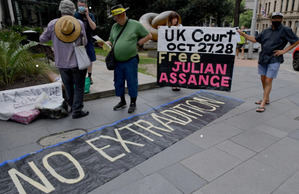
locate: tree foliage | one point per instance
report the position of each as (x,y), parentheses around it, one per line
(193,12)
(245,19)
(15,60)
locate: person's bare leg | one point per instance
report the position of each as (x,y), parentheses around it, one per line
(237,53)
(263,80)
(242,50)
(267,90)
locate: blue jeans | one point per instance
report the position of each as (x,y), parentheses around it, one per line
(126,71)
(74,83)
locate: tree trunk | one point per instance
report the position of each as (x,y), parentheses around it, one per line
(237,13)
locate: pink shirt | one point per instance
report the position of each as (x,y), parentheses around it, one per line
(64,52)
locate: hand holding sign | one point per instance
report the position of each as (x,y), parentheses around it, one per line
(194,57)
(102,43)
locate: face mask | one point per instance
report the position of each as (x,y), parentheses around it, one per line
(81,9)
(276,24)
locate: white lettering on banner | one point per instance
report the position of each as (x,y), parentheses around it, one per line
(198,40)
(121,141)
(204,101)
(181,114)
(100,150)
(166,121)
(24,99)
(183,107)
(118,139)
(140,123)
(169,113)
(59,177)
(46,188)
(128,127)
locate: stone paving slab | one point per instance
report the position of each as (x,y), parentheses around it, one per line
(294,134)
(153,184)
(251,177)
(282,155)
(291,186)
(255,140)
(184,179)
(236,150)
(211,163)
(127,178)
(212,135)
(235,167)
(171,155)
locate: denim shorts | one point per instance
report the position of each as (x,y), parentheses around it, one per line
(269,70)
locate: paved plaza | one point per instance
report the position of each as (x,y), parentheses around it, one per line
(242,152)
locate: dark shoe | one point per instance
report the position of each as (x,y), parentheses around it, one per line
(120,105)
(80,114)
(132,108)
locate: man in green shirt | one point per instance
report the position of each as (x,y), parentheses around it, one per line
(125,52)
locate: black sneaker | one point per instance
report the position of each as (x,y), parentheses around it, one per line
(132,108)
(120,105)
(80,114)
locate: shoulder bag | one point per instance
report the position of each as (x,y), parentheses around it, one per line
(110,59)
(82,57)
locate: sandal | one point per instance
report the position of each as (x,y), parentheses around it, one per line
(260,109)
(260,102)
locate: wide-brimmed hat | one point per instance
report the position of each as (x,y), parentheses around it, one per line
(67,29)
(276,14)
(116,10)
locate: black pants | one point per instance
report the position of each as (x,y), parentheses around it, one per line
(74,83)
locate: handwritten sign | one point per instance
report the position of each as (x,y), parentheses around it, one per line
(194,57)
(17,100)
(89,161)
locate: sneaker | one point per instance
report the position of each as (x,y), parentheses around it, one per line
(120,105)
(132,108)
(80,114)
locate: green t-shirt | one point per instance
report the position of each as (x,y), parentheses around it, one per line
(126,45)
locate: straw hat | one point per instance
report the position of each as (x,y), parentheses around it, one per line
(67,29)
(116,10)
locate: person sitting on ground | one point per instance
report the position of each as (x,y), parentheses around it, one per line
(65,31)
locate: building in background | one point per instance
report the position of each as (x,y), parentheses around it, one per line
(289,8)
(28,12)
(249,4)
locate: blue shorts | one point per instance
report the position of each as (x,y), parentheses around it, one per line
(269,70)
(90,51)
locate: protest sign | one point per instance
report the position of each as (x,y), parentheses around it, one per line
(196,57)
(28,98)
(84,163)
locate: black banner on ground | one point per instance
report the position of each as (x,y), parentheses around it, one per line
(89,161)
(204,71)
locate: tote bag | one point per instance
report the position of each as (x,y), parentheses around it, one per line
(82,57)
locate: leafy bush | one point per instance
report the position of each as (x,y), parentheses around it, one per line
(16,62)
